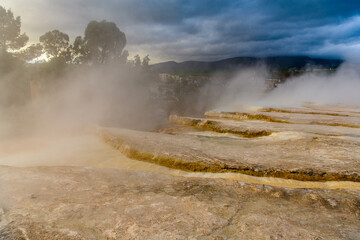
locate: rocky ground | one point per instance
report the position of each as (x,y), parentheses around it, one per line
(93,203)
(189,182)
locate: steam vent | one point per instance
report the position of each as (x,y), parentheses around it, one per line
(249,173)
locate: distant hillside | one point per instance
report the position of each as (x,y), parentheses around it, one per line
(239,62)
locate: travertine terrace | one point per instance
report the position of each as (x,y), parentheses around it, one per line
(312,145)
(252,173)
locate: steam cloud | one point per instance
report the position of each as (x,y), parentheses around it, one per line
(249,87)
(86,96)
(341,87)
(121,97)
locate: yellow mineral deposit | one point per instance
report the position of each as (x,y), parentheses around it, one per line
(88,150)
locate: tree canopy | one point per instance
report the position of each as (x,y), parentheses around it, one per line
(137,60)
(55,43)
(79,52)
(104,41)
(10,31)
(145,61)
(31,52)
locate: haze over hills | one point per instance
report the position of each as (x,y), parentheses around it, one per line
(278,62)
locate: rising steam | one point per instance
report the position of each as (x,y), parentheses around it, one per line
(341,87)
(123,97)
(250,87)
(109,95)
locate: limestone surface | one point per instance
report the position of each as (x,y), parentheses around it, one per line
(287,174)
(97,203)
(288,154)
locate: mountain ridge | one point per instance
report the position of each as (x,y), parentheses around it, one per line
(277,62)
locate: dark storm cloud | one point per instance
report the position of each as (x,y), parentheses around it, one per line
(208,29)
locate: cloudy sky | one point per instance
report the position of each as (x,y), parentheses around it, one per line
(207,29)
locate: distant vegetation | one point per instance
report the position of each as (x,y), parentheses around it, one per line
(54,55)
(102,42)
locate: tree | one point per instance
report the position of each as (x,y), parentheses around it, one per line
(124,56)
(78,51)
(10,31)
(145,62)
(55,43)
(104,41)
(137,61)
(31,52)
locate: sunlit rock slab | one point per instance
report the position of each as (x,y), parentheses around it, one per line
(225,123)
(304,108)
(291,152)
(94,203)
(341,120)
(340,108)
